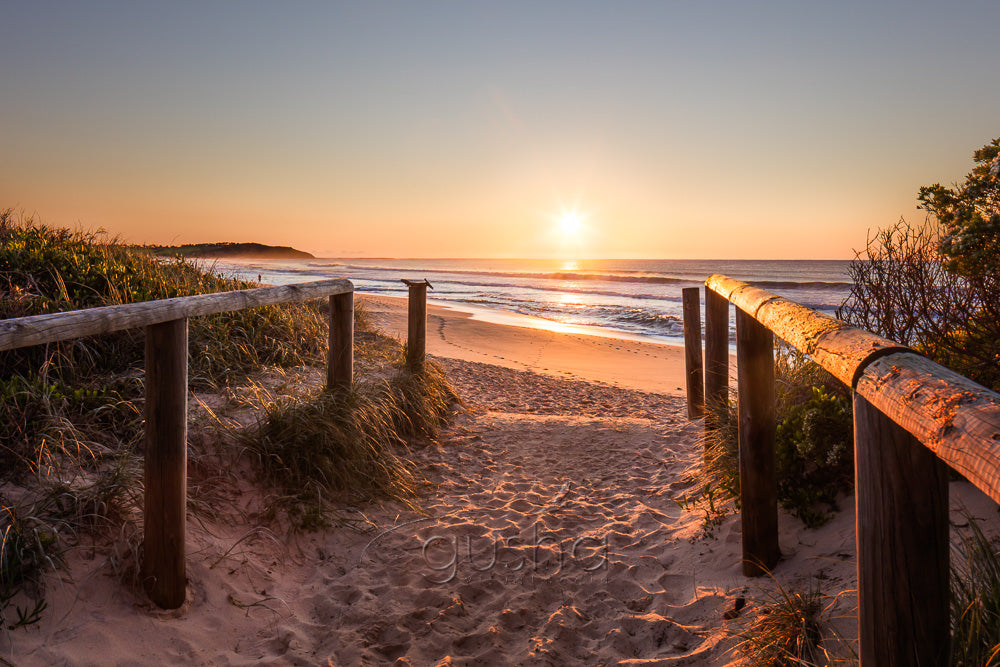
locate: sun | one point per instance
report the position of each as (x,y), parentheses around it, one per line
(570,223)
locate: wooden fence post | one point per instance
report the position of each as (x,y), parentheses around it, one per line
(902,532)
(340,366)
(716,352)
(758,485)
(692,352)
(416,332)
(165,506)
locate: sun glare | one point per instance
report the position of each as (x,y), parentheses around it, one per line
(570,223)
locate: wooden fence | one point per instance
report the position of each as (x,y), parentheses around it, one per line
(165,321)
(912,417)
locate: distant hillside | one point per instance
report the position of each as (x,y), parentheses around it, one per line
(248,250)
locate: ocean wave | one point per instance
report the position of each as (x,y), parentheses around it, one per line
(633,299)
(618,276)
(648,318)
(440,287)
(622,318)
(622,276)
(557,280)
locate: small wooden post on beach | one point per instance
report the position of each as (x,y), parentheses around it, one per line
(165,509)
(901,496)
(758,482)
(692,352)
(416,331)
(340,366)
(716,353)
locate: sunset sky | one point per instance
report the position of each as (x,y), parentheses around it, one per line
(663,129)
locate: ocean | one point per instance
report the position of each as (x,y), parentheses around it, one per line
(620,298)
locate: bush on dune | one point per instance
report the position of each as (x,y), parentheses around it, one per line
(936,286)
(71,416)
(814,441)
(44,270)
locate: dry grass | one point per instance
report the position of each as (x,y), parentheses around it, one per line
(794,628)
(975,599)
(71,414)
(319,449)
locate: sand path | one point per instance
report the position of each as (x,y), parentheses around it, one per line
(550,537)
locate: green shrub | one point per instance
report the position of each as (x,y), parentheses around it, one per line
(814,449)
(814,441)
(44,270)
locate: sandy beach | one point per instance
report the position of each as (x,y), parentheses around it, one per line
(454,334)
(550,533)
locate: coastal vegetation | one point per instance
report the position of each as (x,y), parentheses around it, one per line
(975,598)
(71,419)
(814,443)
(228,250)
(933,286)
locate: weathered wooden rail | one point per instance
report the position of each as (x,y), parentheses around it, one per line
(911,418)
(165,321)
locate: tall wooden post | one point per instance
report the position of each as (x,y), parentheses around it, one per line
(758,484)
(901,497)
(692,352)
(716,352)
(416,332)
(340,366)
(165,508)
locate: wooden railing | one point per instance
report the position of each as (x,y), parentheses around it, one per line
(911,417)
(165,321)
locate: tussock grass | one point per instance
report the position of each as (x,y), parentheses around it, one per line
(786,631)
(28,547)
(720,468)
(318,448)
(794,627)
(71,414)
(975,599)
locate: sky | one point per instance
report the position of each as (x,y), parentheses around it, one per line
(757,130)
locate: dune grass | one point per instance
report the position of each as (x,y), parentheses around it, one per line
(794,627)
(975,599)
(71,417)
(314,447)
(45,270)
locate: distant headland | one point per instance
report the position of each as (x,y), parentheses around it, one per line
(217,250)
